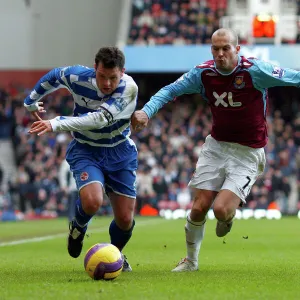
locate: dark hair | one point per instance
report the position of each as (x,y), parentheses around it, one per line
(110,57)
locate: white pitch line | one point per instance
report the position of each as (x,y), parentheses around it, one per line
(32,240)
(61,235)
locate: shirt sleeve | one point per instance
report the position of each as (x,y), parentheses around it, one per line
(120,105)
(188,83)
(50,82)
(266,75)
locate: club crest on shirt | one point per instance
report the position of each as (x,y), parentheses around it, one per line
(239,82)
(278,72)
(120,104)
(84,176)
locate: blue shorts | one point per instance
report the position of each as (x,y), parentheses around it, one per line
(115,167)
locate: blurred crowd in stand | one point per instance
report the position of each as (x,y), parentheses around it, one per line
(168,151)
(182,22)
(168,148)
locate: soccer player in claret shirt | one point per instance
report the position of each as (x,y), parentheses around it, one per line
(102,156)
(232,156)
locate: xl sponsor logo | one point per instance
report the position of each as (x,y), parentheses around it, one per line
(221,100)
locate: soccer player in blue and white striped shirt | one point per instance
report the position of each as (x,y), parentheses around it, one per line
(101,156)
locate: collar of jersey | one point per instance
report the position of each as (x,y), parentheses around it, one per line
(226,74)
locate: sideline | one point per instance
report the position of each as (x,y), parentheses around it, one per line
(61,235)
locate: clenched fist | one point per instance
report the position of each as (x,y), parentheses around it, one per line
(139,120)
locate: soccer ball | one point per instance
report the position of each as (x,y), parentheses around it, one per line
(103,261)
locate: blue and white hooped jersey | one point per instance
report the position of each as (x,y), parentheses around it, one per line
(99,120)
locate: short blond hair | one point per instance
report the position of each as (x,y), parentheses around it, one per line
(226,31)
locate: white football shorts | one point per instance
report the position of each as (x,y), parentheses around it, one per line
(228,166)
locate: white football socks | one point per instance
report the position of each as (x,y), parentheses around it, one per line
(194,232)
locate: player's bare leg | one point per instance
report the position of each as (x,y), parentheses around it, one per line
(194,229)
(121,227)
(224,208)
(91,198)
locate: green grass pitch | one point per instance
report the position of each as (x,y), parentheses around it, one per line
(259,259)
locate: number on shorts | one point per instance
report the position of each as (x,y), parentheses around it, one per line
(249,179)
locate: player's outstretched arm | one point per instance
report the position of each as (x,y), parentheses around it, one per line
(84,122)
(89,121)
(267,75)
(105,115)
(188,83)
